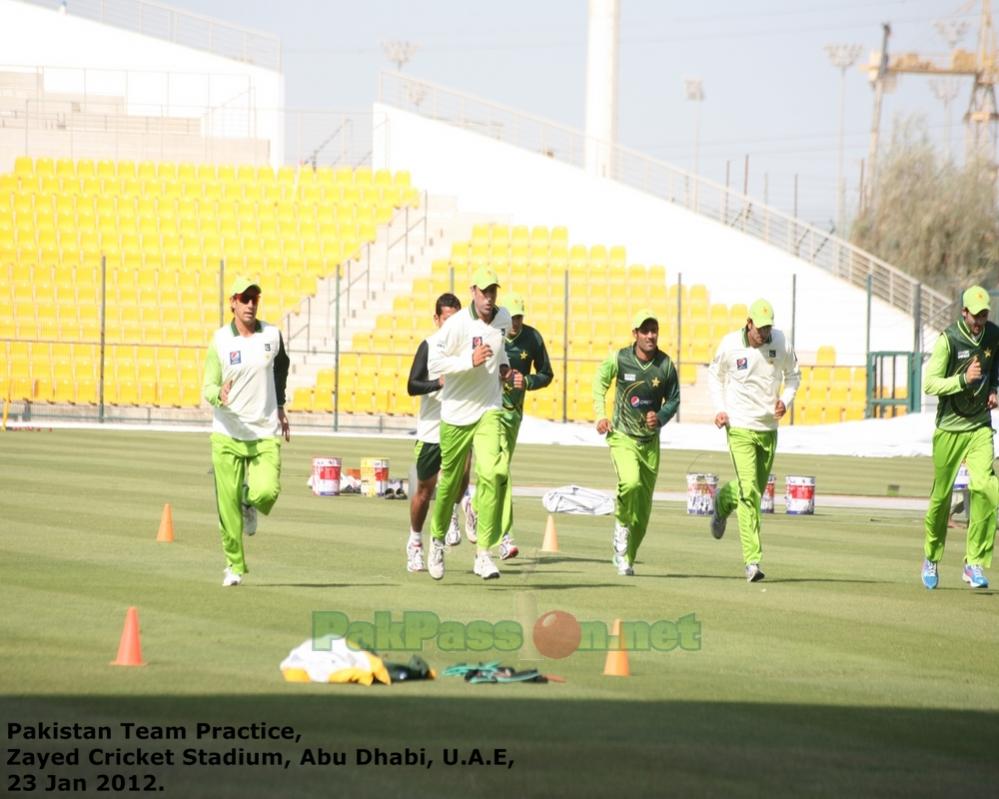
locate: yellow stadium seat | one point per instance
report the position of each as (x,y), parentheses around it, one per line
(826,356)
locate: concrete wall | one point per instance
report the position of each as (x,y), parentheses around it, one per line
(79,57)
(490,177)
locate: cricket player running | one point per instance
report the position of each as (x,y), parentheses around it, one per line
(963,372)
(428,437)
(647,396)
(745,380)
(525,349)
(246,371)
(469,354)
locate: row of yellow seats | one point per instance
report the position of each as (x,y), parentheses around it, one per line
(821,413)
(25,166)
(25,280)
(306,266)
(519,234)
(17,224)
(551,270)
(616,255)
(152,205)
(37,195)
(383,400)
(116,392)
(146,248)
(129,291)
(173,231)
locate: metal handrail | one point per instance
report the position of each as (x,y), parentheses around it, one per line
(703,196)
(186,28)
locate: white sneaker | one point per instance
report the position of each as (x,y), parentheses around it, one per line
(436,563)
(230,578)
(453,536)
(753,573)
(621,536)
(485,568)
(508,548)
(249,519)
(624,569)
(620,543)
(414,558)
(471,519)
(718,522)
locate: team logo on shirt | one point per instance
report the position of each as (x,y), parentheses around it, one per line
(741,363)
(773,353)
(476,341)
(635,401)
(629,377)
(962,354)
(235,357)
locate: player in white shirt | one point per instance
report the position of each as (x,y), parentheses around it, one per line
(246,372)
(469,352)
(753,379)
(427,387)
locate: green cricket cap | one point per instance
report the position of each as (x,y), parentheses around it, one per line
(484,277)
(514,303)
(762,313)
(241,284)
(976,300)
(639,318)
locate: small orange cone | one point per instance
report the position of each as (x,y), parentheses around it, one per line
(130,648)
(165,535)
(616,664)
(550,544)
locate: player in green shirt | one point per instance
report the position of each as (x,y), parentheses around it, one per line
(525,348)
(647,396)
(963,372)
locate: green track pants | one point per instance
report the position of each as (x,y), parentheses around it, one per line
(949,449)
(492,473)
(752,454)
(637,467)
(258,465)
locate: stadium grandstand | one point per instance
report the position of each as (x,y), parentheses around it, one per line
(128,193)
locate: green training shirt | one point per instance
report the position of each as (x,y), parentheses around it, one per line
(525,351)
(963,406)
(641,387)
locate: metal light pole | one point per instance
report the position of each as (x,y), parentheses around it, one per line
(694,88)
(946,89)
(842,56)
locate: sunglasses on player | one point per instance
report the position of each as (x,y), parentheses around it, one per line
(248,296)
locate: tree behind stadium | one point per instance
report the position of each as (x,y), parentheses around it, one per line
(930,217)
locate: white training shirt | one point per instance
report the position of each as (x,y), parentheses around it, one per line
(428,423)
(745,382)
(248,361)
(469,391)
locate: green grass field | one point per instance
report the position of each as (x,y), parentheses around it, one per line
(837,675)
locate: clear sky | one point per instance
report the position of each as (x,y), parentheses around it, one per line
(770,90)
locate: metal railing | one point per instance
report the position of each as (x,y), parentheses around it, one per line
(180,27)
(676,186)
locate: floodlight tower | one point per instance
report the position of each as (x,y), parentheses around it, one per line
(843,56)
(399,52)
(946,89)
(694,87)
(603,20)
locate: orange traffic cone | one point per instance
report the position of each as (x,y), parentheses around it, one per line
(550,544)
(165,535)
(616,664)
(130,648)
